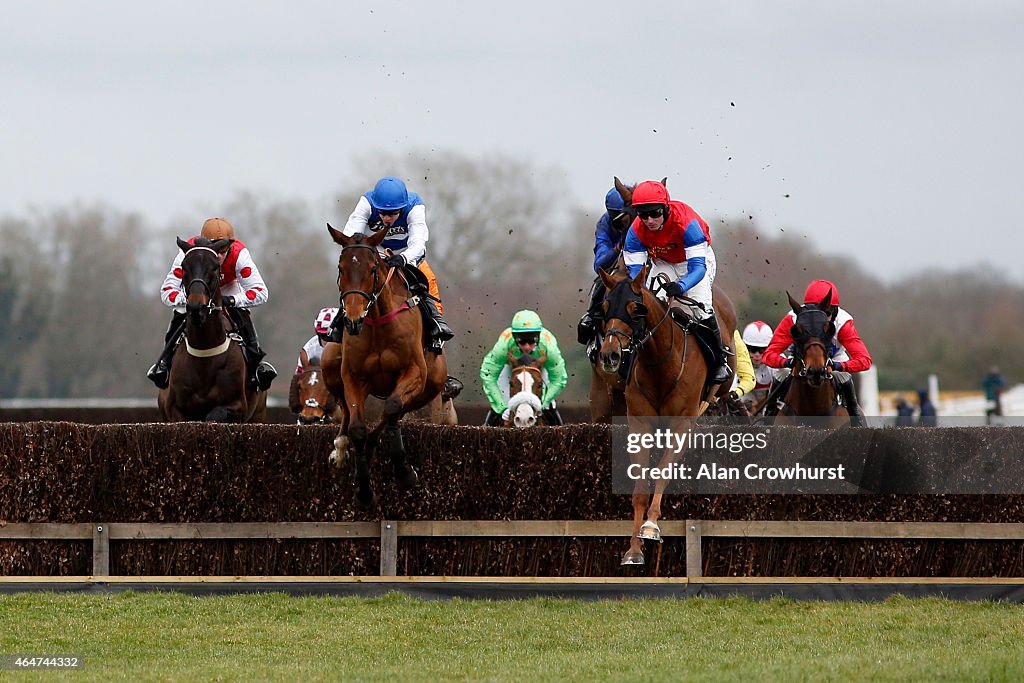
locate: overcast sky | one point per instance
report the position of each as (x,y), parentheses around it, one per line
(890,132)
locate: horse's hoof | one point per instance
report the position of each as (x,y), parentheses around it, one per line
(632,558)
(406,479)
(649,531)
(340,452)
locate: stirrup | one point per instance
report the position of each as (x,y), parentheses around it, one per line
(159,376)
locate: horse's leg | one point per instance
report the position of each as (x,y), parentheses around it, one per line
(408,395)
(600,398)
(355,395)
(641,495)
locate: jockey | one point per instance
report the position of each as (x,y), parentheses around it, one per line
(743,382)
(847,354)
(678,242)
(313,349)
(390,206)
(241,288)
(526,336)
(757,336)
(608,235)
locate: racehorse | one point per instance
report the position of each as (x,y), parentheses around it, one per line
(208,379)
(381,354)
(811,392)
(310,399)
(665,374)
(526,389)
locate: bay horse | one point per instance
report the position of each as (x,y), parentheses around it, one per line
(812,392)
(208,379)
(311,400)
(381,354)
(665,375)
(526,389)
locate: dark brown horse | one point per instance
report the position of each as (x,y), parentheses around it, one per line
(526,389)
(812,393)
(665,375)
(381,355)
(208,375)
(310,399)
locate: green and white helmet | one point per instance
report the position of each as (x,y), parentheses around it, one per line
(526,321)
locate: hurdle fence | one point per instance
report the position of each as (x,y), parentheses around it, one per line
(388,533)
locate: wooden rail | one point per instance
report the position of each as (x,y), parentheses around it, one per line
(389,531)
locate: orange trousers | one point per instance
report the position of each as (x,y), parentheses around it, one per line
(432,282)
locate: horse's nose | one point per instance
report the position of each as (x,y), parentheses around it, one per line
(611,359)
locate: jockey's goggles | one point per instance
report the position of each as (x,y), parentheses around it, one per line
(651,213)
(392,212)
(528,338)
(756,349)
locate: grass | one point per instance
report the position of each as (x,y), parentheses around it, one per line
(166,636)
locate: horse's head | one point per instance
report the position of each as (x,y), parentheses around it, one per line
(361,275)
(812,334)
(526,389)
(625,316)
(314,401)
(200,274)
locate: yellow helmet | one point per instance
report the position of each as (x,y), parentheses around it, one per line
(217,229)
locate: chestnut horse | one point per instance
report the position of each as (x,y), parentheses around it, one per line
(208,374)
(382,355)
(526,389)
(665,375)
(811,392)
(310,400)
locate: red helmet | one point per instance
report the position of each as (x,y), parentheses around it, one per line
(817,290)
(650,192)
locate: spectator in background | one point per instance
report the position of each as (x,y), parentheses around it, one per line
(926,416)
(904,413)
(993,384)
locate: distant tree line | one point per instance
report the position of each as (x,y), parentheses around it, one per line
(80,314)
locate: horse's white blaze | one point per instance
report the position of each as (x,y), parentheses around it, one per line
(526,381)
(312,379)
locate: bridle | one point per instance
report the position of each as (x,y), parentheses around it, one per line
(210,306)
(371,297)
(804,340)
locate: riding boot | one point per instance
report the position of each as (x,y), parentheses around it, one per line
(337,329)
(492,419)
(551,416)
(587,328)
(708,329)
(849,394)
(159,373)
(261,372)
(452,388)
(437,329)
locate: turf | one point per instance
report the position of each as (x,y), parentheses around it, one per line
(165,636)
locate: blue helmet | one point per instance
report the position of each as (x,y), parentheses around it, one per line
(389,194)
(613,201)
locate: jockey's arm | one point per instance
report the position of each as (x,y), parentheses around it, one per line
(555,365)
(860,359)
(416,248)
(254,290)
(491,367)
(634,253)
(359,220)
(170,290)
(781,340)
(696,250)
(606,248)
(745,380)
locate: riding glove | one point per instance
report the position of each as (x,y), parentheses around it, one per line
(674,289)
(396,261)
(228,301)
